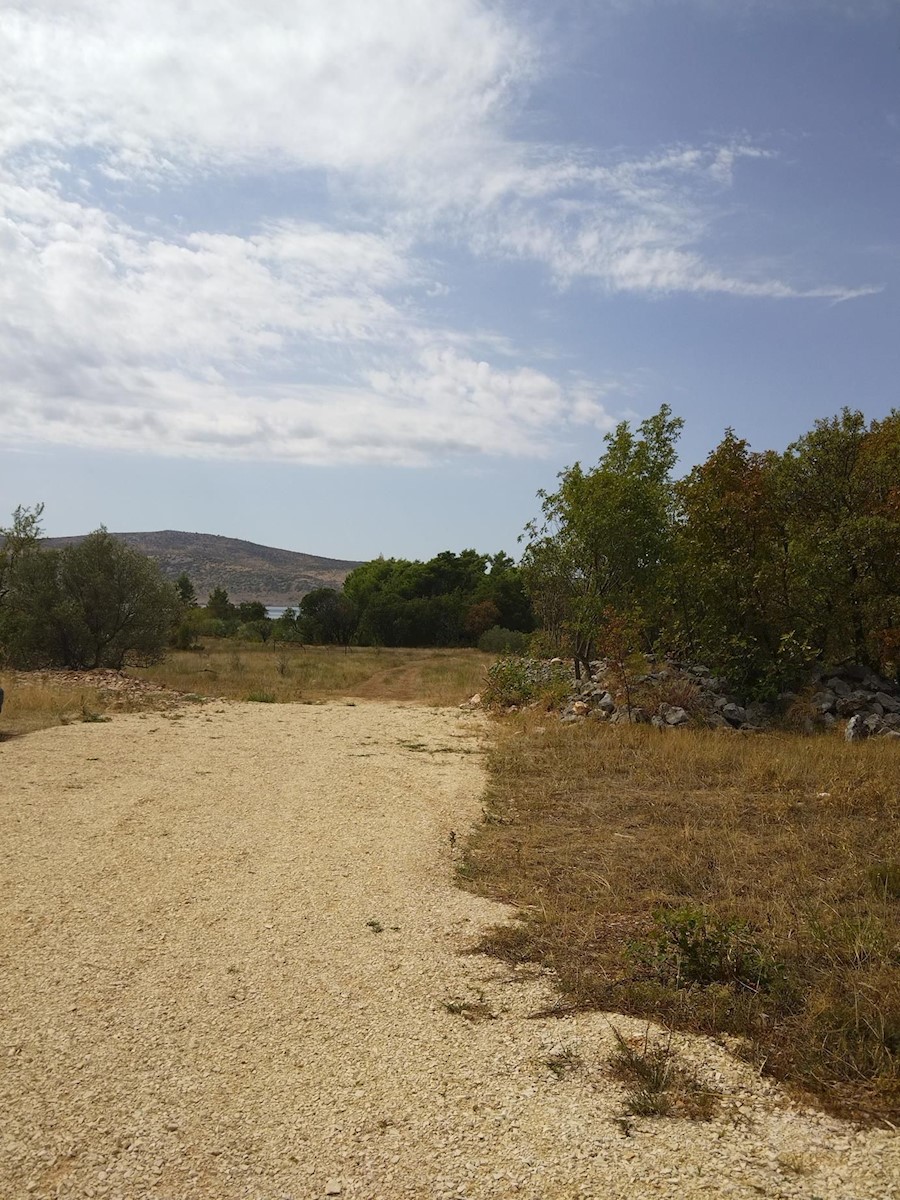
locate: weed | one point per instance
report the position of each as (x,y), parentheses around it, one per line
(885,879)
(89,717)
(562,1062)
(657,1084)
(517,681)
(689,945)
(471,1010)
(262,697)
(375,925)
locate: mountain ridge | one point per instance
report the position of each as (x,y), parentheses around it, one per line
(247,570)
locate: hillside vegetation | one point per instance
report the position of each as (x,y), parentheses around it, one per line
(246,570)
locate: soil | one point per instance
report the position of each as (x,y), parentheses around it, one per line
(230,967)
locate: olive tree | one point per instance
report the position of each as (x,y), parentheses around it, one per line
(89,605)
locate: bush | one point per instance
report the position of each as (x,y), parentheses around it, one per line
(89,605)
(692,946)
(517,680)
(498,640)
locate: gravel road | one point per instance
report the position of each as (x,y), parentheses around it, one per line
(230,968)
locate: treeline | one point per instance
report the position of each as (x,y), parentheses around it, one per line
(462,599)
(757,564)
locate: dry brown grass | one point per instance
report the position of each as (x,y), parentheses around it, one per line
(246,671)
(713,881)
(250,670)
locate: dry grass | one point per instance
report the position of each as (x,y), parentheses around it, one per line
(38,700)
(656,1083)
(718,883)
(245,670)
(37,706)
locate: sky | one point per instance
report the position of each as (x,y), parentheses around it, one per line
(356,279)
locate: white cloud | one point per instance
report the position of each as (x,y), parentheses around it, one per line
(182,85)
(296,338)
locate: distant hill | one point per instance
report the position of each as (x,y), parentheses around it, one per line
(246,571)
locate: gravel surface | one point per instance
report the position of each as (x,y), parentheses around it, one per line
(230,967)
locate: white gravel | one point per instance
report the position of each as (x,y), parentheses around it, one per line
(197,1001)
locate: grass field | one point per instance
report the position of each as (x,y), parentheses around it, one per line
(247,671)
(714,882)
(252,671)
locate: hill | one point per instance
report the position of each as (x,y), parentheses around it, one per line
(246,570)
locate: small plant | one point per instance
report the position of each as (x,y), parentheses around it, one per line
(282,662)
(262,697)
(657,1085)
(516,681)
(89,717)
(690,946)
(375,925)
(563,1062)
(471,1010)
(885,880)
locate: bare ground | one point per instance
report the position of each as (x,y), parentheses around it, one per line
(229,967)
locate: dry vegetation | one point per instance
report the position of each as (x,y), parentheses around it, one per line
(715,882)
(253,671)
(242,671)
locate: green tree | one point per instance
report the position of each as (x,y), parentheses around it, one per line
(90,605)
(219,607)
(606,535)
(20,538)
(185,590)
(328,616)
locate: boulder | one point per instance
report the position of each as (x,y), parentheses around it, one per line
(889,704)
(606,703)
(839,686)
(855,730)
(734,714)
(825,701)
(676,716)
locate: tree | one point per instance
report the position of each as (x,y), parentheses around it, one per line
(89,605)
(606,536)
(328,616)
(185,590)
(22,537)
(219,606)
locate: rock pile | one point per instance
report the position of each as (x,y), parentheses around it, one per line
(869,703)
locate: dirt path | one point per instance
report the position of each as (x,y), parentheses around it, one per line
(229,967)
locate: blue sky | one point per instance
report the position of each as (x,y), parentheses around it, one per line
(357,278)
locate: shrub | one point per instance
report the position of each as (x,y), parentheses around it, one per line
(517,680)
(689,945)
(498,640)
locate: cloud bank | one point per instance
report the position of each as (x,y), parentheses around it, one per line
(289,337)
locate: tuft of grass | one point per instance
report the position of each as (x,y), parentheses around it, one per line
(563,1062)
(723,885)
(471,1010)
(262,697)
(656,1083)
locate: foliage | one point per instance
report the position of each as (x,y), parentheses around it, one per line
(503,641)
(605,536)
(518,681)
(19,539)
(219,607)
(690,945)
(759,564)
(186,592)
(451,600)
(89,605)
